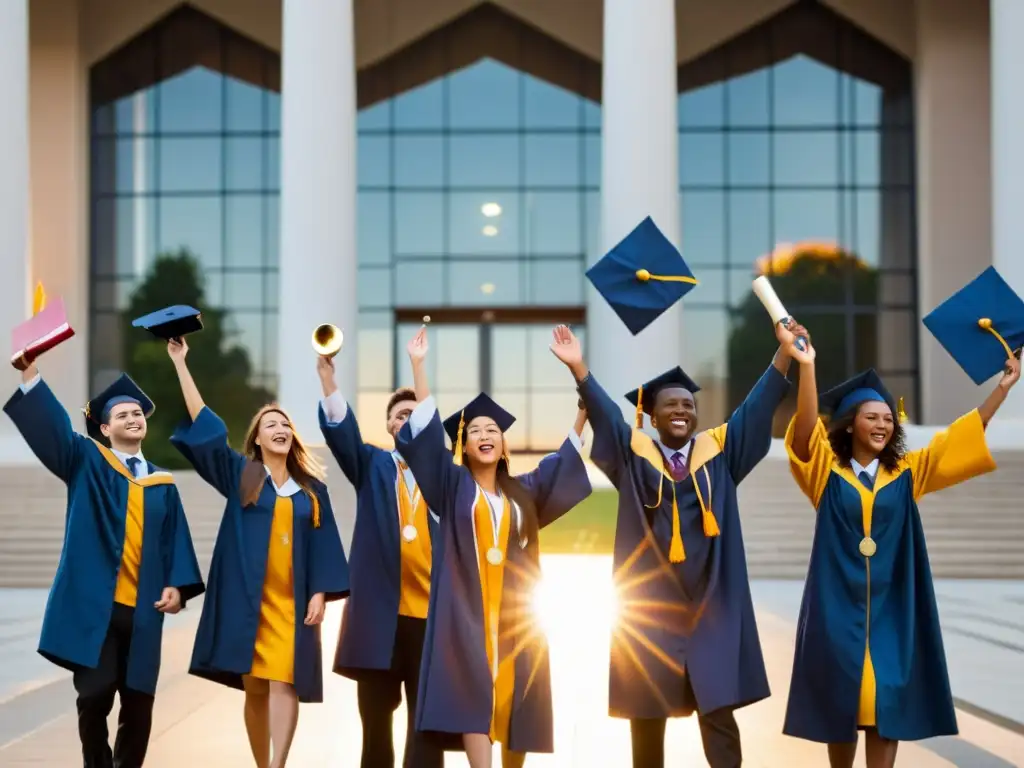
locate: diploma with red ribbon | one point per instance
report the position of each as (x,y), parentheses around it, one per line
(47,328)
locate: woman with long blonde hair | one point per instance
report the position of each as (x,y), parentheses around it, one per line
(278,559)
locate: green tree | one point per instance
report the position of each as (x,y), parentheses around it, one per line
(220,366)
(810,279)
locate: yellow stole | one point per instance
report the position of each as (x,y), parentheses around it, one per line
(414,596)
(126,591)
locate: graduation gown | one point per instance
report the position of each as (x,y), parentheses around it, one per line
(81,598)
(456,690)
(695,617)
(226,637)
(367,638)
(868,636)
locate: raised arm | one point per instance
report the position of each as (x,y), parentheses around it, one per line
(960,452)
(340,429)
(747,436)
(612,435)
(204,441)
(421,439)
(806,409)
(45,425)
(560,481)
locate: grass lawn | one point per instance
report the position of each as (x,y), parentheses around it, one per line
(588,529)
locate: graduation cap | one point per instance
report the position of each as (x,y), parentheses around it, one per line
(171,322)
(864,387)
(980,325)
(642,276)
(644,396)
(124,390)
(481,405)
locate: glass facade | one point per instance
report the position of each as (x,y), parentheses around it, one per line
(479,205)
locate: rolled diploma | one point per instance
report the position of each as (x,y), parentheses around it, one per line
(770,300)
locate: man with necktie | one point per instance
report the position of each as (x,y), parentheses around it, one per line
(385,619)
(686,638)
(127,560)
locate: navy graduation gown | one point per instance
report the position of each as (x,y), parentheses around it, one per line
(456,690)
(226,636)
(884,603)
(367,636)
(82,595)
(695,617)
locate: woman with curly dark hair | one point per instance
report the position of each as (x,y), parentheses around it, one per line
(869,652)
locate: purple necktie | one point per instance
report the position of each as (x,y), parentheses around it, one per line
(678,468)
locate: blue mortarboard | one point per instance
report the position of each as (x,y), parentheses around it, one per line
(642,276)
(643,397)
(865,387)
(171,322)
(981,325)
(482,405)
(124,390)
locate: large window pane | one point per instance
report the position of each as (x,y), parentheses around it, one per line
(487,283)
(806,93)
(419,161)
(485,95)
(750,228)
(192,223)
(374,229)
(190,165)
(243,233)
(557,282)
(553,223)
(553,161)
(245,103)
(704,227)
(243,291)
(701,159)
(484,160)
(484,223)
(421,107)
(374,161)
(419,223)
(749,159)
(191,102)
(548,106)
(419,283)
(374,288)
(747,100)
(703,107)
(244,161)
(806,216)
(804,158)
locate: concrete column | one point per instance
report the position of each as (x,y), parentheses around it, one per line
(953,180)
(1007,57)
(639,178)
(318,201)
(14,198)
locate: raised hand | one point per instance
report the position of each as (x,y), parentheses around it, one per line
(566,347)
(1011,374)
(177,349)
(787,336)
(418,346)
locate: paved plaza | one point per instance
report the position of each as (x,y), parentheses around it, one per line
(199,724)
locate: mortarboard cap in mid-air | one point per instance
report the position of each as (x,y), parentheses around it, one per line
(482,405)
(981,326)
(642,276)
(123,390)
(171,322)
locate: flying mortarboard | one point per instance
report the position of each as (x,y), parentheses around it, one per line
(642,276)
(643,397)
(482,405)
(865,387)
(123,390)
(171,322)
(981,325)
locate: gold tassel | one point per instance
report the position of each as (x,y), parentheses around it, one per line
(986,324)
(643,276)
(38,299)
(676,553)
(640,408)
(458,441)
(316,510)
(707,511)
(901,412)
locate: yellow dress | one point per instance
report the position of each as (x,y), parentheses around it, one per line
(274,654)
(491,582)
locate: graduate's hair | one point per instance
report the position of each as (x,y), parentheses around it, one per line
(842,442)
(303,466)
(400,396)
(515,491)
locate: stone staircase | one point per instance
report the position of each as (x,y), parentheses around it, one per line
(975,530)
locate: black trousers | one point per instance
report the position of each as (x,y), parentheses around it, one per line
(718,732)
(96,688)
(379,693)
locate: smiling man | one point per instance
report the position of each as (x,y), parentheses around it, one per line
(686,639)
(127,560)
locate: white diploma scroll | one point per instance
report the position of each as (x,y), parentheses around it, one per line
(771,302)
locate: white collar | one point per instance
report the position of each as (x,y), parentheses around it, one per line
(125,456)
(871,468)
(290,487)
(670,452)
